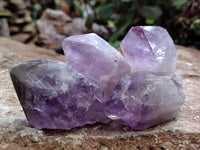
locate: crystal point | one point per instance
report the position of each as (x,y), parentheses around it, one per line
(144,99)
(92,56)
(149,48)
(54,96)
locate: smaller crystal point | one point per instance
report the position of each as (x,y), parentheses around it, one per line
(92,56)
(149,48)
(144,99)
(54,96)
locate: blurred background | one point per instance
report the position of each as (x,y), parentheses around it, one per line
(46,22)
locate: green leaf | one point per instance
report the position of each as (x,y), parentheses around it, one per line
(115,44)
(150,12)
(88,15)
(195,26)
(110,23)
(37,8)
(119,31)
(5,13)
(149,21)
(179,3)
(105,12)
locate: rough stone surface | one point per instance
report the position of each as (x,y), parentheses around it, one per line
(54,96)
(21,25)
(149,48)
(181,133)
(144,99)
(21,37)
(55,25)
(92,56)
(4,28)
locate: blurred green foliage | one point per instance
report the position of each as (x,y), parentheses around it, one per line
(5,13)
(36,10)
(122,14)
(177,16)
(195,26)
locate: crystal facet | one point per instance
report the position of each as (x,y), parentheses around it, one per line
(54,96)
(92,56)
(149,48)
(144,99)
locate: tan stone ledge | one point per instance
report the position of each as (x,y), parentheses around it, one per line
(181,133)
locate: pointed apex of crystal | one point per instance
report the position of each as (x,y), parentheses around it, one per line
(149,48)
(95,58)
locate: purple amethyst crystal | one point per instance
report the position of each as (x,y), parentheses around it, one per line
(149,48)
(54,96)
(92,56)
(144,99)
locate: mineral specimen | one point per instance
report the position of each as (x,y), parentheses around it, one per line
(92,56)
(54,96)
(149,48)
(144,99)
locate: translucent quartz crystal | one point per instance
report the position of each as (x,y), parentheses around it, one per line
(144,99)
(149,48)
(54,96)
(92,56)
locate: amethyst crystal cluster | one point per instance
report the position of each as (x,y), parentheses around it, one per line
(55,96)
(151,93)
(98,83)
(144,99)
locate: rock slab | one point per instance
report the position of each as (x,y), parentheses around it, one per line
(181,133)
